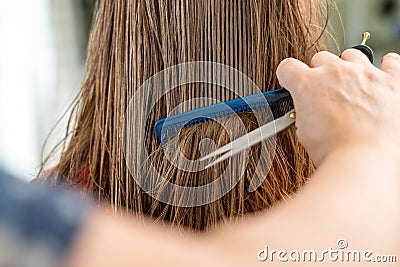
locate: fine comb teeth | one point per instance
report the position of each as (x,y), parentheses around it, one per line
(279,102)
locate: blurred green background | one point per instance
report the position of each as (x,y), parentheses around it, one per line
(42,54)
(380,17)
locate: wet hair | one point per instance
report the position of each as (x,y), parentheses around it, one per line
(130,41)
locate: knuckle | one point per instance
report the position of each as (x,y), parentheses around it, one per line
(324,53)
(337,68)
(348,52)
(391,56)
(285,63)
(352,52)
(288,61)
(319,55)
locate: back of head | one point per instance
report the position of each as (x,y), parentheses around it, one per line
(135,39)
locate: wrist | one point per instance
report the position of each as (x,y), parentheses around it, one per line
(364,162)
(383,147)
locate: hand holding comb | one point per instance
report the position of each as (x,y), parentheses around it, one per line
(280,103)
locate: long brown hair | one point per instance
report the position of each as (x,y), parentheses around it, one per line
(131,40)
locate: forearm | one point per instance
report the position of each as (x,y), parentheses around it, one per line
(331,207)
(345,199)
(107,240)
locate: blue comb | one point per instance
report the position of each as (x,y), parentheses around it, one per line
(278,101)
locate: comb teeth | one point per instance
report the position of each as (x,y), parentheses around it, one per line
(279,102)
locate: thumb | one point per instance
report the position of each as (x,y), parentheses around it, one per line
(290,71)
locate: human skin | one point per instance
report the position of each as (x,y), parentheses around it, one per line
(348,119)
